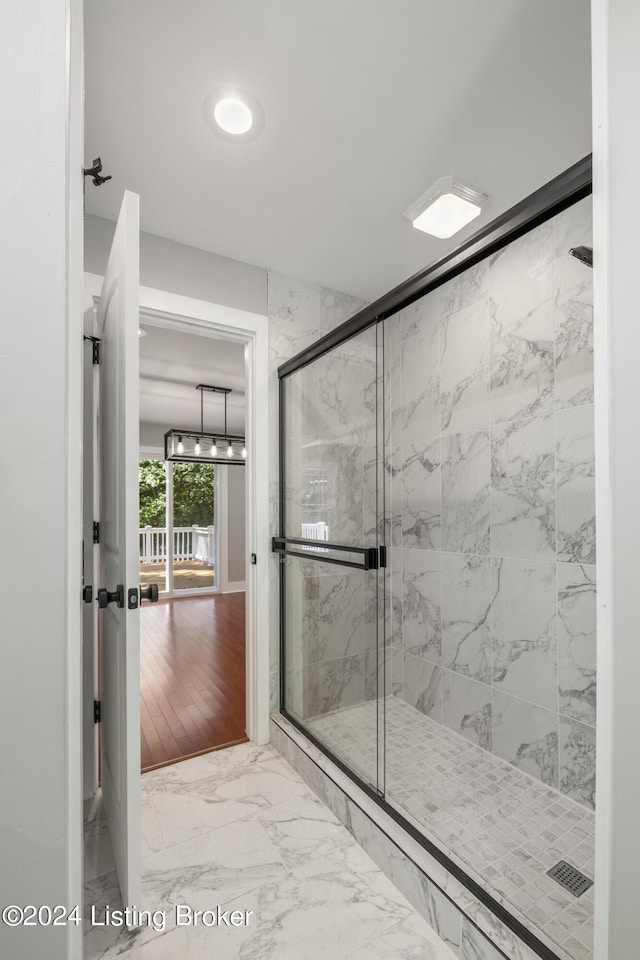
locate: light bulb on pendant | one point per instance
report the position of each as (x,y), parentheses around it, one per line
(196,449)
(214,449)
(180,447)
(229,450)
(244,453)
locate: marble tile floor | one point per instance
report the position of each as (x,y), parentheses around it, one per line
(504,827)
(239,828)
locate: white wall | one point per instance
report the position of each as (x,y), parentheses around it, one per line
(166,265)
(40,350)
(616,81)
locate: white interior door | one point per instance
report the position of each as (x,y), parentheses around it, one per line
(119,561)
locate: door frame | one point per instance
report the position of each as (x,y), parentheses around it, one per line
(177,312)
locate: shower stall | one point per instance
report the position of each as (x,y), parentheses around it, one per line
(437,561)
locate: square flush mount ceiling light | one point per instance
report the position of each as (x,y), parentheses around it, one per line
(446,207)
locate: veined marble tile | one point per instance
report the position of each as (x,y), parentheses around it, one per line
(577,641)
(301,312)
(373,481)
(466,608)
(524,630)
(107,942)
(464,369)
(522,358)
(394,587)
(302,829)
(527,736)
(575,468)
(392,335)
(274,685)
(441,914)
(341,613)
(466,475)
(410,938)
(375,672)
(520,257)
(421,614)
(393,488)
(328,907)
(191,811)
(466,708)
(476,947)
(464,290)
(295,694)
(167,946)
(574,342)
(523,489)
(395,678)
(421,496)
(578,761)
(223,864)
(225,765)
(420,379)
(340,683)
(422,686)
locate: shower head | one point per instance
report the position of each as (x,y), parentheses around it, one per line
(584,254)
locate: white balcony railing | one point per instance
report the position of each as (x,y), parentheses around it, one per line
(189,543)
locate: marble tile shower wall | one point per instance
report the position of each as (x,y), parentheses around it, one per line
(331,466)
(299,313)
(490,505)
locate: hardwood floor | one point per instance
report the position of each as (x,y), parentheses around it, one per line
(192,676)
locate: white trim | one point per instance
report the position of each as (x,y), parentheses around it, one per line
(74,479)
(200,316)
(604,504)
(235,586)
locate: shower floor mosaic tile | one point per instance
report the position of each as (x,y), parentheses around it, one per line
(506,828)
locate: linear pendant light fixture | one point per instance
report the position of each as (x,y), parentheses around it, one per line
(192,446)
(446,207)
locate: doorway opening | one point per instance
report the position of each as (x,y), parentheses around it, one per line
(192,548)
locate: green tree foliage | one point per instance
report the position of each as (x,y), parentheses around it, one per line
(192,494)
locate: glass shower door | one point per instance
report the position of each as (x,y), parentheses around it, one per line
(332,550)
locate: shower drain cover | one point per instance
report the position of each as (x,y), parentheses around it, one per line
(570,878)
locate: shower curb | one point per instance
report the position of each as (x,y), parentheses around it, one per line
(465,924)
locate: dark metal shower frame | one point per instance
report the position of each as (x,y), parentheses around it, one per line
(555,196)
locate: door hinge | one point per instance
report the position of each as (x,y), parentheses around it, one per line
(382,557)
(96,531)
(97,711)
(95,349)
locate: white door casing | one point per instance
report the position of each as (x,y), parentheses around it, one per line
(203,317)
(119,561)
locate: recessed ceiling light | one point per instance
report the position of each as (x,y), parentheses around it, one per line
(446,207)
(141,332)
(233,114)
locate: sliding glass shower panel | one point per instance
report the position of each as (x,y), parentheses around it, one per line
(333,600)
(490,580)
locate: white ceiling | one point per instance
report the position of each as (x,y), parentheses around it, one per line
(173,363)
(367,102)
